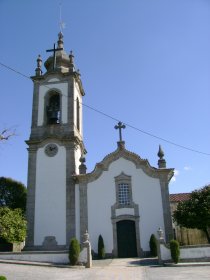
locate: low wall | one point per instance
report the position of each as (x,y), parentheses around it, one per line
(187,253)
(201,252)
(61,257)
(48,257)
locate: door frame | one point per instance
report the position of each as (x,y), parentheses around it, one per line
(135,219)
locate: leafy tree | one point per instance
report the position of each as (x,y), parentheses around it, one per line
(175,251)
(153,245)
(12,225)
(195,212)
(12,194)
(74,250)
(101,248)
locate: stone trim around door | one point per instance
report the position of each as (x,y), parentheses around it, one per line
(114,227)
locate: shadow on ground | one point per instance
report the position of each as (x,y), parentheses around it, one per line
(145,262)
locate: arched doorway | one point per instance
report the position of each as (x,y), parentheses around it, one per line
(126,239)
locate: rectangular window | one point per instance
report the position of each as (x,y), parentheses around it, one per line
(123,194)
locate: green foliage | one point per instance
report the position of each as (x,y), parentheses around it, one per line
(74,250)
(153,245)
(12,225)
(12,194)
(175,252)
(195,213)
(101,248)
(3,278)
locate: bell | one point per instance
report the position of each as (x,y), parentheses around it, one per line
(53,116)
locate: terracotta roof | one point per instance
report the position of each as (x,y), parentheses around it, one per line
(177,197)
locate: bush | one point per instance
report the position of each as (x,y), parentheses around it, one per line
(74,250)
(175,252)
(12,224)
(101,248)
(3,278)
(153,245)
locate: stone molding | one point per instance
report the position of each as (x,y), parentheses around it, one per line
(123,178)
(166,210)
(114,228)
(140,163)
(59,75)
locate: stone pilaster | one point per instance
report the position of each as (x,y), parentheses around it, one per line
(83,209)
(70,193)
(166,208)
(31,190)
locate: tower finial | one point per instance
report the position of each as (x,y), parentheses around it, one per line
(82,167)
(161,161)
(71,58)
(60,40)
(160,152)
(39,66)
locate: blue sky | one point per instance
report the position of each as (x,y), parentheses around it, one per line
(144,62)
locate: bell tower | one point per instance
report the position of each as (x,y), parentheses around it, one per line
(55,147)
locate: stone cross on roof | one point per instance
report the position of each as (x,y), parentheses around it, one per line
(54,50)
(120,126)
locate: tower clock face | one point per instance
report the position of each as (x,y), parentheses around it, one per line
(51,150)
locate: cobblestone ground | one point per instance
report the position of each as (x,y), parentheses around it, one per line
(118,269)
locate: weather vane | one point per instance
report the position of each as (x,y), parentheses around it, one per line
(61,23)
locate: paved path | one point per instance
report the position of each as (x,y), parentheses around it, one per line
(117,269)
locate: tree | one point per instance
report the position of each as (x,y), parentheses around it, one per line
(153,245)
(12,194)
(101,248)
(175,251)
(12,225)
(74,250)
(195,212)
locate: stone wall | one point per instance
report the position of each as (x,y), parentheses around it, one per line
(187,253)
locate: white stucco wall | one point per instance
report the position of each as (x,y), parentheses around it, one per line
(47,257)
(44,89)
(50,202)
(101,196)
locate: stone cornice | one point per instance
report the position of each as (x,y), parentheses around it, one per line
(56,74)
(67,142)
(164,174)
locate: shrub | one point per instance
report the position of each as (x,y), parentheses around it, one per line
(74,250)
(3,278)
(101,248)
(153,245)
(175,252)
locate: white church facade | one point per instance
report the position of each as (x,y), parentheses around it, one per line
(124,199)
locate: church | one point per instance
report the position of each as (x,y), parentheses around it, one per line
(124,198)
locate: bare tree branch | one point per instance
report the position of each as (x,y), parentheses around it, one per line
(6,134)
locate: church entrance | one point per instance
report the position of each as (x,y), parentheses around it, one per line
(126,239)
